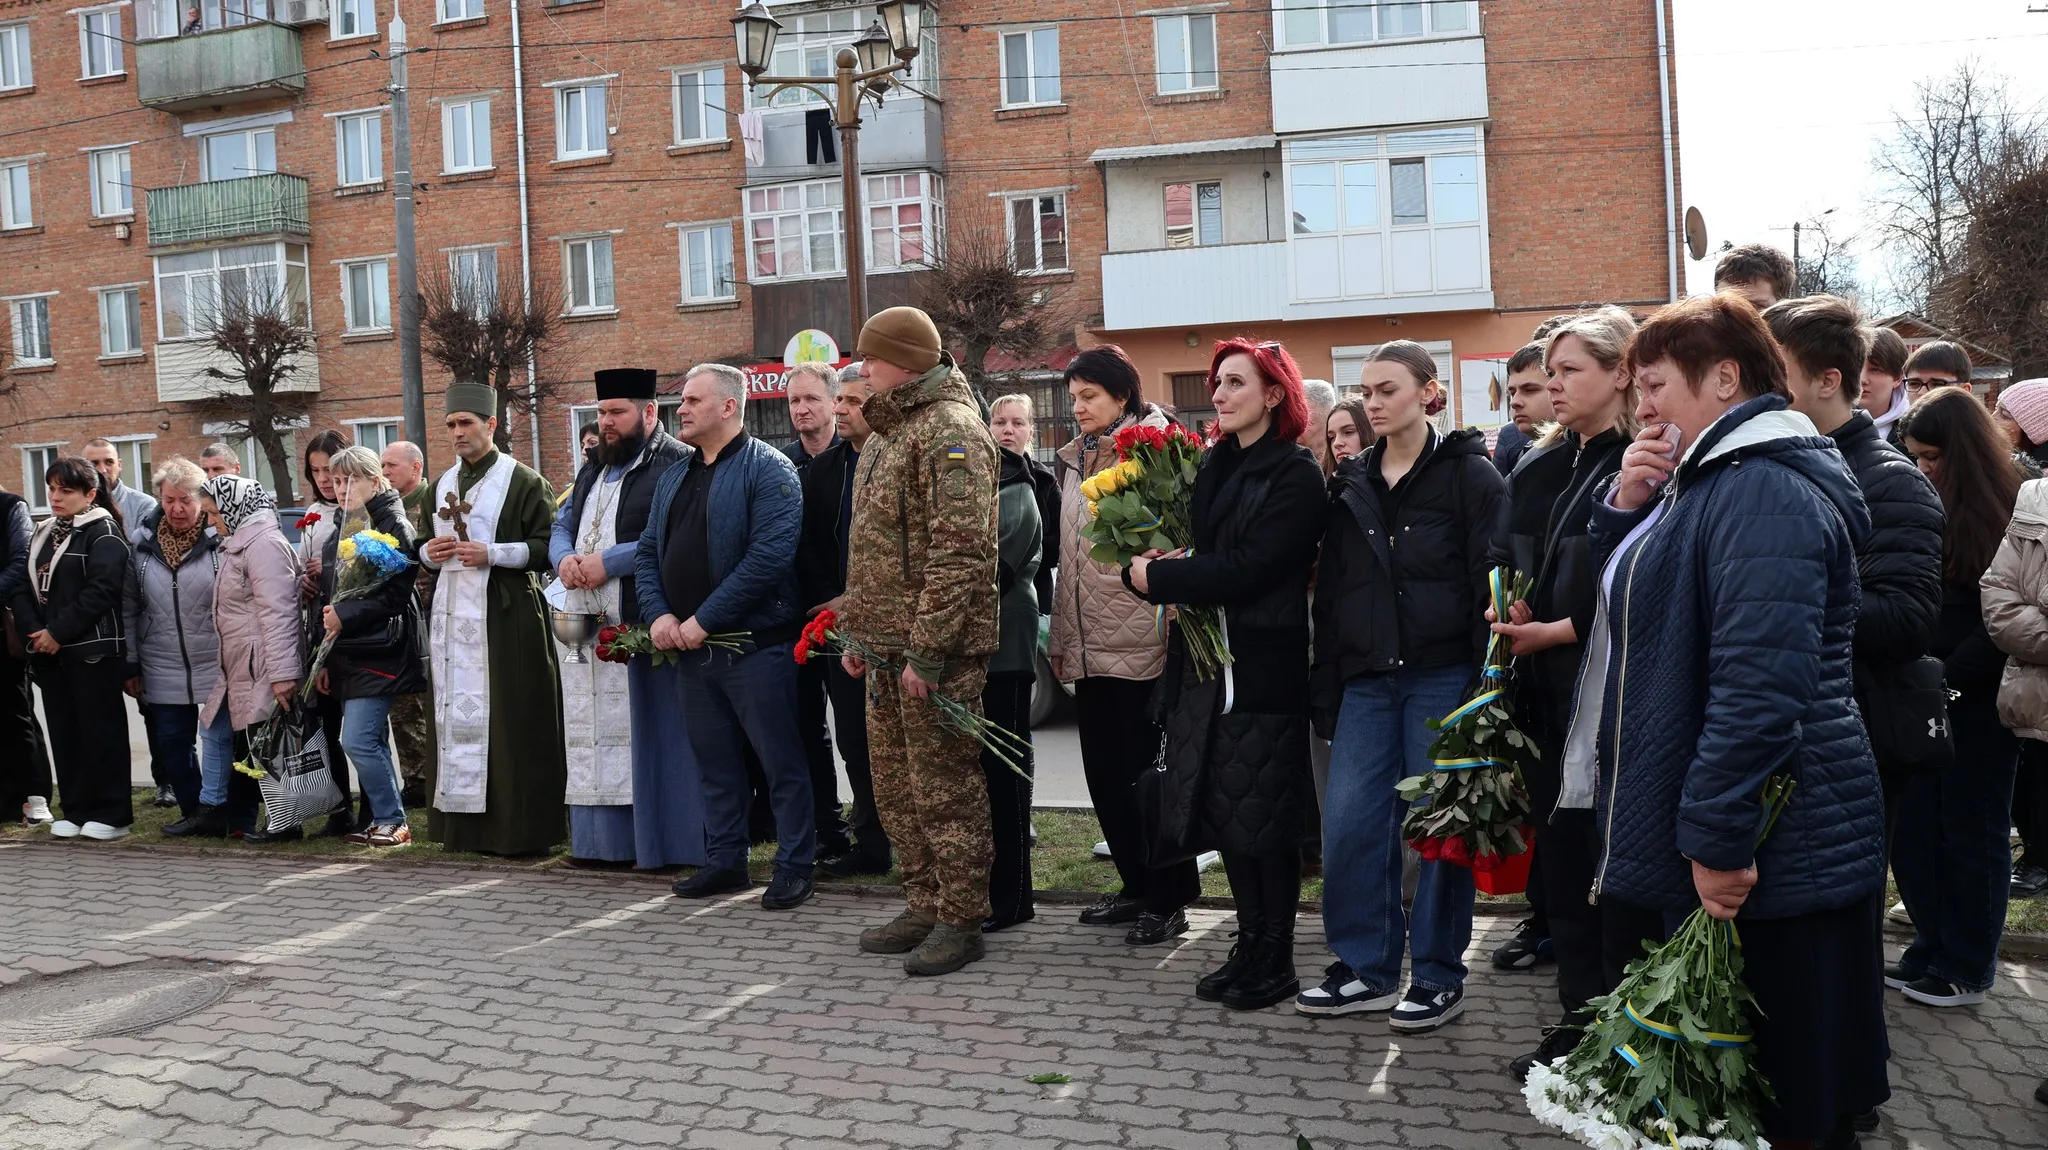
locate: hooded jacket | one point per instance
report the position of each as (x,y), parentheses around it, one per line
(256,611)
(82,605)
(1099,628)
(1731,605)
(172,643)
(2015,589)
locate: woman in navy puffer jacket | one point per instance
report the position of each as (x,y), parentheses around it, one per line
(1720,657)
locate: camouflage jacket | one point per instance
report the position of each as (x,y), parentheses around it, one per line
(921,554)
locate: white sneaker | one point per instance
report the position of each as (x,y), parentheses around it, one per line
(103,832)
(64,829)
(1101,850)
(1898,914)
(36,812)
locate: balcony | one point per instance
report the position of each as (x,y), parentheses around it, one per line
(905,133)
(182,366)
(1388,84)
(269,204)
(1190,287)
(213,69)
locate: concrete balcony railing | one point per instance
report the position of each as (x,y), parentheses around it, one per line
(1191,287)
(228,66)
(269,204)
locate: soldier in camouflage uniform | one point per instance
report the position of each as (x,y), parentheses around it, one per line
(921,591)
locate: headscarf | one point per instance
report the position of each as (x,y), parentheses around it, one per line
(239,499)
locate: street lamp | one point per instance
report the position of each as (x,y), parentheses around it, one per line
(866,67)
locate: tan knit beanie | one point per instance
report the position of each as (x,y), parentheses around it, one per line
(903,336)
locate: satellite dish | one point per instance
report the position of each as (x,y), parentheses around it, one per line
(1696,233)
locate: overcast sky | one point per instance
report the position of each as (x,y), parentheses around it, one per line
(1783,102)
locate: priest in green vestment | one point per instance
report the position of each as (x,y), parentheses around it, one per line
(497,693)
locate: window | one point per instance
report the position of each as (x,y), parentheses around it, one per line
(366,296)
(1031,67)
(473,274)
(1310,22)
(806,47)
(1194,214)
(14,59)
(17,209)
(707,264)
(99,42)
(158,19)
(460,10)
(231,13)
(793,230)
(1038,232)
(903,220)
(1186,48)
(36,463)
(376,434)
(466,135)
(1386,215)
(191,285)
(1347,366)
(233,155)
(699,97)
(580,122)
(113,193)
(359,149)
(589,266)
(30,319)
(120,321)
(135,452)
(352,18)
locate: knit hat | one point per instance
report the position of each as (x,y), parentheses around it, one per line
(2027,403)
(903,336)
(478,399)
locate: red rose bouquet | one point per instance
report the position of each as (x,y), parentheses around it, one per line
(620,642)
(1146,501)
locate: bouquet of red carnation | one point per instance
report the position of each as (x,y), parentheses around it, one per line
(619,643)
(1473,809)
(306,520)
(822,637)
(1147,501)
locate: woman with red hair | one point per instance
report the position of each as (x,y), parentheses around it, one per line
(1239,742)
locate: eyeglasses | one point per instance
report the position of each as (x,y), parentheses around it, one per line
(1925,383)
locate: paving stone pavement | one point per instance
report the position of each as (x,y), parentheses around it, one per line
(466,1007)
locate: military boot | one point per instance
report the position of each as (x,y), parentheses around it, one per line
(900,934)
(947,949)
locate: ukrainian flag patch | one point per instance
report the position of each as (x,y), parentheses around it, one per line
(956,455)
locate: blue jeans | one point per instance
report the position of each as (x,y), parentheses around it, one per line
(365,738)
(730,701)
(1380,740)
(172,729)
(1952,856)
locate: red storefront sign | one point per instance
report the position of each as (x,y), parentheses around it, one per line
(771,380)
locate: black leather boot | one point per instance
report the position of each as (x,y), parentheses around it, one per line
(206,822)
(1251,922)
(1268,977)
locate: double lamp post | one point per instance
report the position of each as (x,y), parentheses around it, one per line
(868,68)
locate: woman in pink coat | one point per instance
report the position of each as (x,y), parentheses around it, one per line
(262,649)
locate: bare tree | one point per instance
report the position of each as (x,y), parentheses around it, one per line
(982,303)
(484,333)
(258,339)
(1825,264)
(1998,295)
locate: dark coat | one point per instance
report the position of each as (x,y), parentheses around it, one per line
(1899,563)
(1411,594)
(1046,486)
(1257,513)
(1509,445)
(1731,619)
(756,513)
(636,497)
(820,552)
(397,666)
(16,528)
(83,609)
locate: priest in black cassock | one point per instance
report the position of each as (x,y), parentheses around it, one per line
(497,690)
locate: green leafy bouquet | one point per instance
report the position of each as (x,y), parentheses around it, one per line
(1472,808)
(1667,1062)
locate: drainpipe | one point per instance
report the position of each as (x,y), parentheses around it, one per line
(1664,104)
(526,225)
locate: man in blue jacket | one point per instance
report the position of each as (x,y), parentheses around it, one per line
(717,560)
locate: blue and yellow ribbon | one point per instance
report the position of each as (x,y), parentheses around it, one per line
(1663,1030)
(1465,764)
(1629,1055)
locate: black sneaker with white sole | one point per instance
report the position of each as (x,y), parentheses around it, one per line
(1933,991)
(1898,975)
(1424,1009)
(1530,946)
(1343,992)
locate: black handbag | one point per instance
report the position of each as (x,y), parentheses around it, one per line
(1168,794)
(1905,709)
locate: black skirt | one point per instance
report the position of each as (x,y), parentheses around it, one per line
(1820,1040)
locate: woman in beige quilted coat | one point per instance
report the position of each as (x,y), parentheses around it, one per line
(2016,616)
(1108,644)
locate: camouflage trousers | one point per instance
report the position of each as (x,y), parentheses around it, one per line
(932,795)
(412,729)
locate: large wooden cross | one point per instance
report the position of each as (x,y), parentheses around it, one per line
(455,510)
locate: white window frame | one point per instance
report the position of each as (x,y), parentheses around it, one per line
(451,11)
(217,14)
(107,40)
(36,459)
(21,327)
(1195,186)
(14,190)
(715,241)
(1010,202)
(386,430)
(198,289)
(892,193)
(16,52)
(459,278)
(802,224)
(1039,90)
(708,100)
(1440,19)
(1175,77)
(370,148)
(365,12)
(1380,152)
(158,19)
(138,458)
(111,172)
(378,271)
(579,94)
(251,149)
(460,121)
(128,298)
(582,252)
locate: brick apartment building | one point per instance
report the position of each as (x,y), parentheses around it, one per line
(1331,173)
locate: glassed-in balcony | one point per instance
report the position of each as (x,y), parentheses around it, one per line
(269,204)
(213,69)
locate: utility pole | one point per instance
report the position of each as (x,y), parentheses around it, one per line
(411,385)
